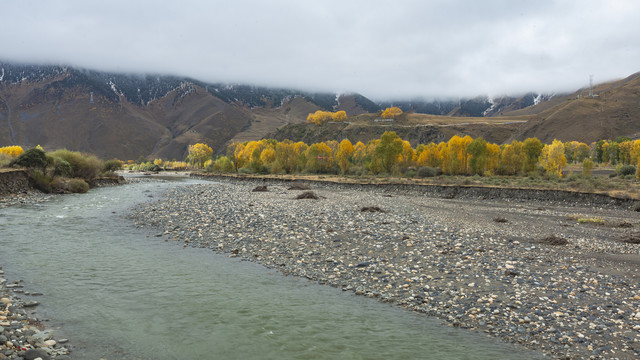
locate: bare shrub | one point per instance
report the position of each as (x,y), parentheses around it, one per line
(371,209)
(554,240)
(308,195)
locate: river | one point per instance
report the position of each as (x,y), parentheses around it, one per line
(119,292)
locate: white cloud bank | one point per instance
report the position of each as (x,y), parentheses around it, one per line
(382,49)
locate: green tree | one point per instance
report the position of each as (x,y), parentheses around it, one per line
(512,158)
(33,158)
(388,150)
(477,150)
(531,148)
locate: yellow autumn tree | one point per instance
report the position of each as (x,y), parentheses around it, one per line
(624,152)
(553,158)
(391,112)
(430,156)
(198,154)
(343,155)
(235,153)
(319,159)
(268,156)
(370,161)
(339,116)
(635,151)
(456,155)
(285,157)
(407,156)
(493,158)
(320,117)
(13,151)
(359,152)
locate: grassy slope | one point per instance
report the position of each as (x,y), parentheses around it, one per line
(614,112)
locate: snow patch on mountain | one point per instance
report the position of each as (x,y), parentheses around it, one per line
(490,109)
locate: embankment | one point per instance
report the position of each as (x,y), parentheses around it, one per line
(515,195)
(13,182)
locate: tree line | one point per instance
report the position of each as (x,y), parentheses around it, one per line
(392,155)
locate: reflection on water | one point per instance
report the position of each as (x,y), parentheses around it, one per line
(120,293)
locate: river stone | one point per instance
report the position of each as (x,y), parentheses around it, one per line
(33,354)
(50,343)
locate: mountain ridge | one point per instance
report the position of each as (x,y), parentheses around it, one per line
(128,115)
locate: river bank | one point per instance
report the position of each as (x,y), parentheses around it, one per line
(22,334)
(527,271)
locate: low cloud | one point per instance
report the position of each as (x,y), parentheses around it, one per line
(381,49)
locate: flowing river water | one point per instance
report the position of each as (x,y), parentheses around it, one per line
(119,292)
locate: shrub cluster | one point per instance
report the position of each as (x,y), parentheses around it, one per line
(62,170)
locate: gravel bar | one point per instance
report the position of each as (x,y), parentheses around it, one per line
(531,272)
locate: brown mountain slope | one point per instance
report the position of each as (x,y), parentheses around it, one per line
(56,116)
(613,111)
(269,119)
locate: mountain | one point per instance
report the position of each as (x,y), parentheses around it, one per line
(125,116)
(613,110)
(128,116)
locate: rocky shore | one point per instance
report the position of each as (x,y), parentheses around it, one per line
(22,335)
(559,276)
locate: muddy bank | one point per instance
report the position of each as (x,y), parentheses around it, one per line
(14,182)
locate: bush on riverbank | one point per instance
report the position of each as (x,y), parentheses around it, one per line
(83,166)
(61,171)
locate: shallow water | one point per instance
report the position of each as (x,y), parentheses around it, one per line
(118,292)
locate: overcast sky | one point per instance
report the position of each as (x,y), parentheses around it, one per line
(381,49)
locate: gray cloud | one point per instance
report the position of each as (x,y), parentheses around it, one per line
(378,48)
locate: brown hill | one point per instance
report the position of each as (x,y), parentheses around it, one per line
(127,116)
(415,128)
(54,116)
(613,111)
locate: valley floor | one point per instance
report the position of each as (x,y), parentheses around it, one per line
(558,276)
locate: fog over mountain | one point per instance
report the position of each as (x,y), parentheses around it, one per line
(386,50)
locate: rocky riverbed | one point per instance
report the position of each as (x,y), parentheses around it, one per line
(558,277)
(22,335)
